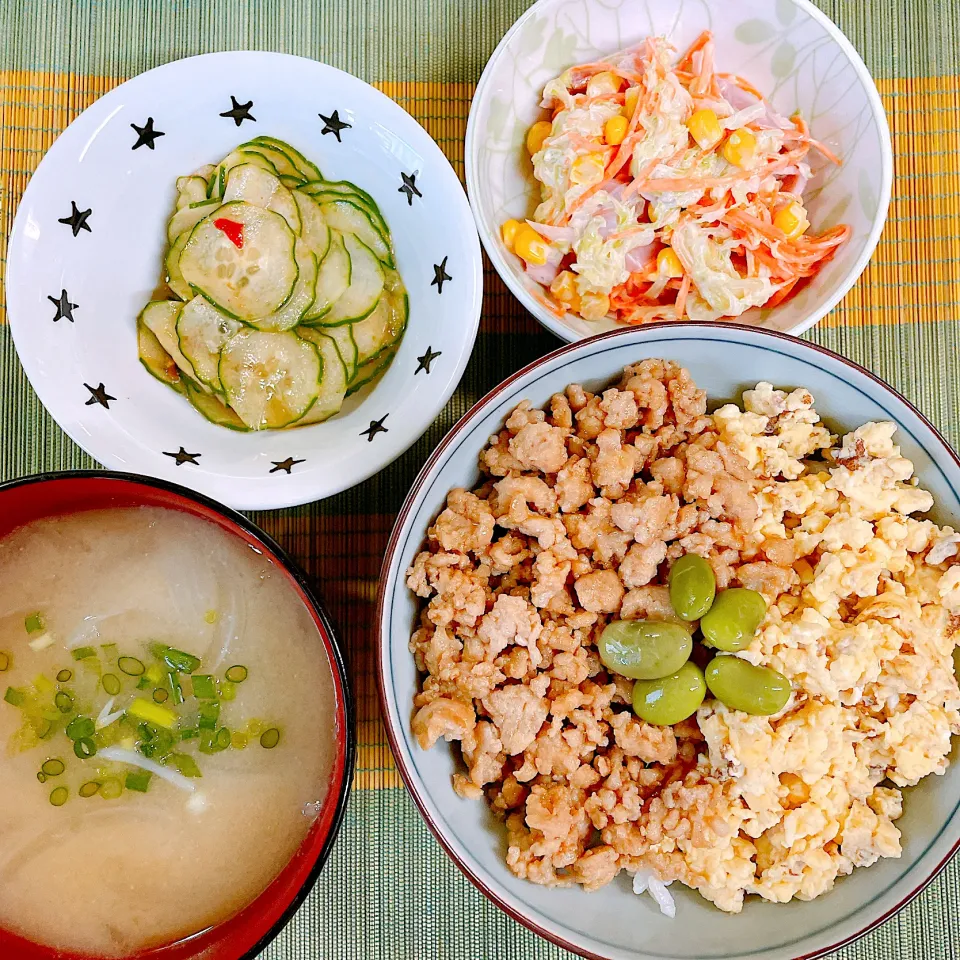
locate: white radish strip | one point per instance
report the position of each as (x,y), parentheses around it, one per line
(121,755)
(106,717)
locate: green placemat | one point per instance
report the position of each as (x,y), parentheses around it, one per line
(388,890)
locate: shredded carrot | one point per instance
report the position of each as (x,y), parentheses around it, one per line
(744,85)
(697,44)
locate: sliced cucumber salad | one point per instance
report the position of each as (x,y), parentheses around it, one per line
(284,296)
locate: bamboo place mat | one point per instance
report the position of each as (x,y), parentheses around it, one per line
(388,891)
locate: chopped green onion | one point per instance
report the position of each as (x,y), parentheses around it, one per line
(152,713)
(85,748)
(270,738)
(44,728)
(155,673)
(43,684)
(64,676)
(209,714)
(255,727)
(34,623)
(84,653)
(237,673)
(90,789)
(160,695)
(223,738)
(228,690)
(109,651)
(185,764)
(179,660)
(143,683)
(238,740)
(139,780)
(63,702)
(59,796)
(42,642)
(211,616)
(204,686)
(41,776)
(111,788)
(189,733)
(111,684)
(131,666)
(176,689)
(15,697)
(52,767)
(5,661)
(81,727)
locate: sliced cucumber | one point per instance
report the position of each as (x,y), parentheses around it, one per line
(383,327)
(371,370)
(186,218)
(307,170)
(160,316)
(291,183)
(349,217)
(212,407)
(218,180)
(248,281)
(346,346)
(253,184)
(175,279)
(366,285)
(342,188)
(333,278)
(291,313)
(278,158)
(313,228)
(190,190)
(270,379)
(202,330)
(333,384)
(205,172)
(158,362)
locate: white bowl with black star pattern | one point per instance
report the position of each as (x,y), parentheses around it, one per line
(86,249)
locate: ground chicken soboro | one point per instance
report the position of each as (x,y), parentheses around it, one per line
(584,507)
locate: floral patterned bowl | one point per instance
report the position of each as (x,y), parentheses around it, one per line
(788,49)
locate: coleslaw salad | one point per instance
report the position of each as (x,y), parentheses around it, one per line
(669,191)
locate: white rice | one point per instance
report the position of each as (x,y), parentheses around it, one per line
(646,881)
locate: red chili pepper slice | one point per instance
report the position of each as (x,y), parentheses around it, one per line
(232,229)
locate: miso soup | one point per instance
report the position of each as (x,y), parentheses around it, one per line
(167,728)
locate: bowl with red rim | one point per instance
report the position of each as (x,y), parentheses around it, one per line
(248,932)
(790,51)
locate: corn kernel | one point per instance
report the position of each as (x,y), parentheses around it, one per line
(669,263)
(740,148)
(508,232)
(564,289)
(704,127)
(530,246)
(601,83)
(792,220)
(587,169)
(594,306)
(630,99)
(537,134)
(615,130)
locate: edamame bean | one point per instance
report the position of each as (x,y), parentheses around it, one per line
(733,619)
(670,699)
(692,586)
(742,686)
(645,649)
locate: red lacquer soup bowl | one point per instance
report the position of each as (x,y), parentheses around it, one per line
(246,933)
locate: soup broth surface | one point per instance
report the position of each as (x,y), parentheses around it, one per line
(110,876)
